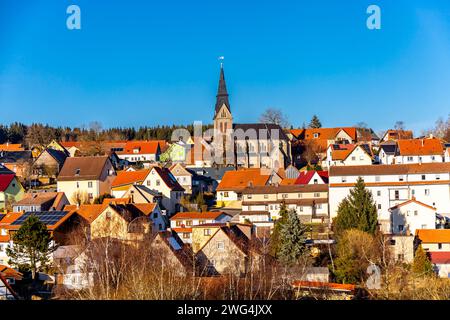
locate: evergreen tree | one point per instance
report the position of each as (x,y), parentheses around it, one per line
(315,123)
(275,240)
(31,246)
(421,264)
(357,211)
(292,239)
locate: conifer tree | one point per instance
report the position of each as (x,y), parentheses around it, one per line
(421,264)
(275,237)
(357,211)
(292,239)
(31,246)
(315,123)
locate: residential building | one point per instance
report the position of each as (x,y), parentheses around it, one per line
(291,172)
(348,155)
(17,161)
(9,147)
(86,178)
(41,201)
(312,177)
(191,182)
(48,164)
(11,190)
(387,152)
(141,151)
(309,201)
(5,237)
(183,222)
(411,215)
(157,179)
(229,190)
(223,248)
(437,244)
(391,185)
(396,135)
(419,151)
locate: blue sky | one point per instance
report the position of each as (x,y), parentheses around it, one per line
(139,62)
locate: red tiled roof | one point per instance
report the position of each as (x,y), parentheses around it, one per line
(440,257)
(238,180)
(412,147)
(182,230)
(143,147)
(306,176)
(130,177)
(5,181)
(433,235)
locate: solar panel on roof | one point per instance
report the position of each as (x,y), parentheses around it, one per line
(47,217)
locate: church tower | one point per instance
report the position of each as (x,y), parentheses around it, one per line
(223,120)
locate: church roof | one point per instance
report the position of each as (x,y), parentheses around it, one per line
(222,94)
(261,129)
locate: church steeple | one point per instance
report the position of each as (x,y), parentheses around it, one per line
(222,94)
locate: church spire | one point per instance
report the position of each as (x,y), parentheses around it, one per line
(222,94)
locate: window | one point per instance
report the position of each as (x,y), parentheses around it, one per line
(301,209)
(397,194)
(316,181)
(410,159)
(353,158)
(249,196)
(220,245)
(207,232)
(284,195)
(433,158)
(316,194)
(379,206)
(377,178)
(427,192)
(400,178)
(155,215)
(78,185)
(344,179)
(400,257)
(178,223)
(90,196)
(400,227)
(423,177)
(225,194)
(186,235)
(149,183)
(440,246)
(212,263)
(188,222)
(90,184)
(413,192)
(424,226)
(266,196)
(438,177)
(108,215)
(415,212)
(158,183)
(299,195)
(201,221)
(379,193)
(319,206)
(316,135)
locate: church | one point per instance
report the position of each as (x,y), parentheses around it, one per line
(246,145)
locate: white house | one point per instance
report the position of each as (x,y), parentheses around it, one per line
(347,155)
(141,151)
(393,184)
(411,215)
(437,244)
(419,151)
(183,176)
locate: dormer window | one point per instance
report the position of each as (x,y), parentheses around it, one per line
(316,135)
(77,172)
(136,150)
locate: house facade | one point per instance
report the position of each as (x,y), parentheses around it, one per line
(391,185)
(412,215)
(11,190)
(83,179)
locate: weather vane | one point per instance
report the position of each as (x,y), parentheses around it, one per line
(221,58)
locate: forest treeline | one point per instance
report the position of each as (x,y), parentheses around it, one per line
(42,134)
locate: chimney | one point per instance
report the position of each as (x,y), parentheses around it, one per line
(422,142)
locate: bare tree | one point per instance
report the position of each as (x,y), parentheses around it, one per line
(274,116)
